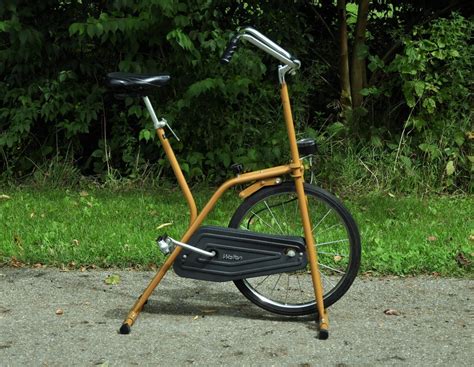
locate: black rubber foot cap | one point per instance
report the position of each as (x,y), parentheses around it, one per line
(125,329)
(323,334)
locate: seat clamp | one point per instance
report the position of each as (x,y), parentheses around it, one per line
(160,123)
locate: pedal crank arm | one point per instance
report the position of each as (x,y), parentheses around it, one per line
(169,242)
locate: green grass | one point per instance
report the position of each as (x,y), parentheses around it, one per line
(103,227)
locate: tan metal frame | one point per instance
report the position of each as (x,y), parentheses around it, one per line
(263,177)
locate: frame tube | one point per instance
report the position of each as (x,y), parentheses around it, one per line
(178,173)
(303,205)
(246,177)
(296,171)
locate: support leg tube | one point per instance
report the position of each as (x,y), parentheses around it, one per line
(312,257)
(138,306)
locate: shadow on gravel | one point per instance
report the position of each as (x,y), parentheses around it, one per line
(192,302)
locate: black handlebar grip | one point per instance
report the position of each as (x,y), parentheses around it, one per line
(229,51)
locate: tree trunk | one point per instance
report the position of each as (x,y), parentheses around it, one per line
(358,72)
(346,101)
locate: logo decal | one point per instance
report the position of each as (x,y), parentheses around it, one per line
(232,257)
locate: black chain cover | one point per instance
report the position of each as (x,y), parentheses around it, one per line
(239,254)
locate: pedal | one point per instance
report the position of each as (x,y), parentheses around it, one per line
(165,244)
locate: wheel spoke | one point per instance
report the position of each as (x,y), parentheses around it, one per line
(333,269)
(273,215)
(299,284)
(276,282)
(331,242)
(317,224)
(328,228)
(270,211)
(259,284)
(286,219)
(268,225)
(328,280)
(331,253)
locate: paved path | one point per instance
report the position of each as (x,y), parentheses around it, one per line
(196,323)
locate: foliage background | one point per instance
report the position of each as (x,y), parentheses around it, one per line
(57,122)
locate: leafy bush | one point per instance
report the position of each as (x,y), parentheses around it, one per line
(434,73)
(55,56)
(54,101)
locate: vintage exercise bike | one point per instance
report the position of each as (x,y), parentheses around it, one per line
(290,247)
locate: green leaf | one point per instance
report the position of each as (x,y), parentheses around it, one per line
(369,91)
(408,93)
(145,134)
(185,167)
(203,86)
(75,28)
(454,53)
(406,161)
(418,123)
(429,104)
(63,76)
(91,30)
(99,29)
(181,39)
(3,26)
(419,87)
(112,279)
(98,153)
(459,139)
(450,168)
(375,63)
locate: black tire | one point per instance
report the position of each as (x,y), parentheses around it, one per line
(338,267)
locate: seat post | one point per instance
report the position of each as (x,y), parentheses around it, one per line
(157,123)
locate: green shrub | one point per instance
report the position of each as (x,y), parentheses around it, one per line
(434,74)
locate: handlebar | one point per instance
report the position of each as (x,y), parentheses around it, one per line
(229,51)
(262,42)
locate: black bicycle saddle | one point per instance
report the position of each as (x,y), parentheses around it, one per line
(137,84)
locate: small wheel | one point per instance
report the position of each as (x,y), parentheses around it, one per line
(275,210)
(125,329)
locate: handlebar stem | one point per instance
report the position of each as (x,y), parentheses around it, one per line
(265,44)
(267,41)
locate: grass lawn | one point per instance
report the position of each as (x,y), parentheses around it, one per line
(103,227)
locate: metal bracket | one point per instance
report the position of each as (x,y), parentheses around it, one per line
(297,169)
(169,127)
(257,186)
(158,124)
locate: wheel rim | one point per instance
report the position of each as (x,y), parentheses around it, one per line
(279,214)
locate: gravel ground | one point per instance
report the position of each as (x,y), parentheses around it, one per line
(197,323)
